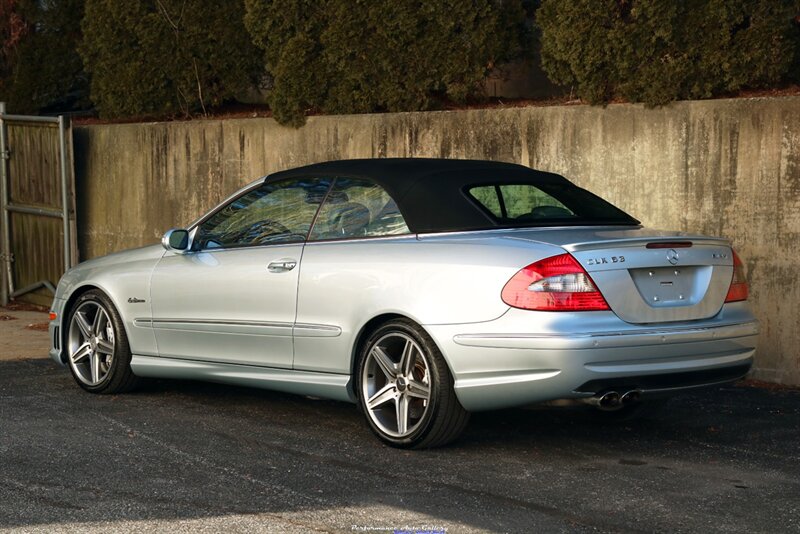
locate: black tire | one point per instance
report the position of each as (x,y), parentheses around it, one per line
(118,376)
(443,418)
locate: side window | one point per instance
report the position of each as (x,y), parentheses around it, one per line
(520,202)
(489,198)
(279,212)
(357,208)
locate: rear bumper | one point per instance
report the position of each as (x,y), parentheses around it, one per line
(502,363)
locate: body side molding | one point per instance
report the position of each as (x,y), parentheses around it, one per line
(327,385)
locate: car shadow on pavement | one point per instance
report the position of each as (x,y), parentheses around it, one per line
(178,451)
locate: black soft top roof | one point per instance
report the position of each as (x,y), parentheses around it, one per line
(431,193)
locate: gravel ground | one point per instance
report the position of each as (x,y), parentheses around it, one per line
(23,333)
(189,457)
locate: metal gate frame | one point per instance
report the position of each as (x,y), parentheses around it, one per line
(7,290)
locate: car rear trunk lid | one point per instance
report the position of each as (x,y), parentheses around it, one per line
(650,276)
(660,284)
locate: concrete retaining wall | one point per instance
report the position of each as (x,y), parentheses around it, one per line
(724,167)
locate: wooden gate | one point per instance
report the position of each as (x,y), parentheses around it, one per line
(37,203)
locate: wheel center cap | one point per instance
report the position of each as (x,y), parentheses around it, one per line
(93,343)
(402,383)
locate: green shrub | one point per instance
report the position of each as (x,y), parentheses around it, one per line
(355,56)
(655,51)
(12,29)
(40,67)
(157,57)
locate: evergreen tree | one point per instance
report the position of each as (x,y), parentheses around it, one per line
(356,56)
(40,69)
(166,57)
(655,51)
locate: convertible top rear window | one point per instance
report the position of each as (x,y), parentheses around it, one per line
(519,204)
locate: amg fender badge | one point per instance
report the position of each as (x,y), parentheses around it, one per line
(134,300)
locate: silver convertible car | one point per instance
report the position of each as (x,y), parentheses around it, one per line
(422,290)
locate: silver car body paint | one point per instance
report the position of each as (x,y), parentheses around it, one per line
(225,316)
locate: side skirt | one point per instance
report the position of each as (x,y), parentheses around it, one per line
(326,385)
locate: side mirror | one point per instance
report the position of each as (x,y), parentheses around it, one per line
(176,240)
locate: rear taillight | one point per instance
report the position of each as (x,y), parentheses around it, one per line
(738,290)
(558,283)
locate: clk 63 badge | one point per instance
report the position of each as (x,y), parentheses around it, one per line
(601,261)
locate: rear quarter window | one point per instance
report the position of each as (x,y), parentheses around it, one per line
(548,204)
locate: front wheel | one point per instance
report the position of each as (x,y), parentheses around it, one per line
(97,346)
(406,390)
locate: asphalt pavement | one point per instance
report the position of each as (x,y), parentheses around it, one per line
(190,457)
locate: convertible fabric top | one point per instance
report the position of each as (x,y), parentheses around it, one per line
(431,193)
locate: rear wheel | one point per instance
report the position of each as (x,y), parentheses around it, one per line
(97,346)
(406,390)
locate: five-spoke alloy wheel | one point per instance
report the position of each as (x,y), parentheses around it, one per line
(396,384)
(406,389)
(91,343)
(97,347)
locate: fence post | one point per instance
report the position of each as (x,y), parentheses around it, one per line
(5,246)
(62,140)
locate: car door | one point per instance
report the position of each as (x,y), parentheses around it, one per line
(232,297)
(359,226)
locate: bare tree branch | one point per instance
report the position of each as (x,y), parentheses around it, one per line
(199,87)
(165,13)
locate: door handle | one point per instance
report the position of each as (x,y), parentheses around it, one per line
(282,265)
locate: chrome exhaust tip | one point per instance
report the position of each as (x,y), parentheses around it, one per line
(608,401)
(631,397)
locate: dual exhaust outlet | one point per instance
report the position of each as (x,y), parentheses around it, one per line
(613,400)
